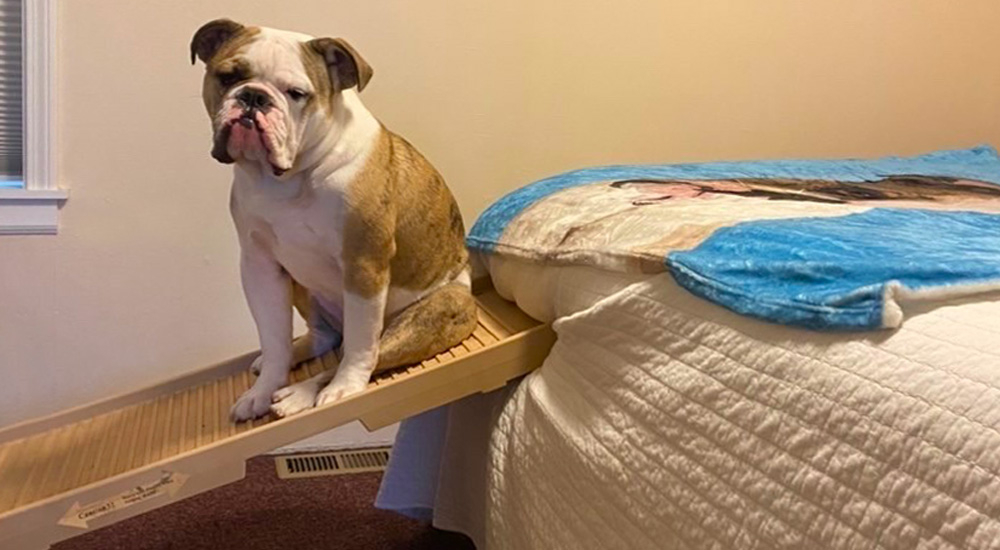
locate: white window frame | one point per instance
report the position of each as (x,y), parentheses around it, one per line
(34,209)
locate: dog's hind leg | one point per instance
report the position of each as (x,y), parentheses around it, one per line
(435,323)
(322,336)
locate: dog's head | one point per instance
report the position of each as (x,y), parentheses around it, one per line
(271,94)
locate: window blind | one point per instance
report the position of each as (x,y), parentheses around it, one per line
(11,94)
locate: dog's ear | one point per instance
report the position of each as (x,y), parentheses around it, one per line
(210,37)
(346,66)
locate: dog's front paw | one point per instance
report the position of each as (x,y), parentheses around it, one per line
(339,389)
(294,399)
(254,403)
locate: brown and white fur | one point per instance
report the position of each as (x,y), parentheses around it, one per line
(335,215)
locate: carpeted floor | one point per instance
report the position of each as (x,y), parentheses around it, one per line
(262,512)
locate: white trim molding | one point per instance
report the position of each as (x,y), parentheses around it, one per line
(34,209)
(30,212)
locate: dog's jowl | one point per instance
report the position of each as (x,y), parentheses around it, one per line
(336,216)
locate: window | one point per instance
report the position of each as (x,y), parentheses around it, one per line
(29,196)
(11,94)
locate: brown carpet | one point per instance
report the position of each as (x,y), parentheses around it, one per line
(262,512)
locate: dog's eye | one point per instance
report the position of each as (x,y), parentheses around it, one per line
(297,94)
(228,79)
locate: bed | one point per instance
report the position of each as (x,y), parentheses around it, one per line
(681,409)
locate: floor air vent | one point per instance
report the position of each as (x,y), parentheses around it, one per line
(332,463)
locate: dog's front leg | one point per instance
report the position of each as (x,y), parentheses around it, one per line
(269,294)
(363,319)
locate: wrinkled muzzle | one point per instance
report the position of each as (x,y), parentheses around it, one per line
(252,126)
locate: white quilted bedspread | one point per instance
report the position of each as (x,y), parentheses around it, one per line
(662,421)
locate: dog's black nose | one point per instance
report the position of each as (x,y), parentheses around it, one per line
(251,98)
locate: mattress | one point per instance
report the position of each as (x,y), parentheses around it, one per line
(661,420)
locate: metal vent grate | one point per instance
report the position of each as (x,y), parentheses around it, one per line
(332,463)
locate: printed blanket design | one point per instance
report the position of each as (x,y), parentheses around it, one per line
(822,244)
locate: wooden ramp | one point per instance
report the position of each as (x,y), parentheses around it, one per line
(92,466)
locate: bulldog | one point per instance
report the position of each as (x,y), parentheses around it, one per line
(336,216)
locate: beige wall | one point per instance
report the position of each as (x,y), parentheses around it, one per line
(141,283)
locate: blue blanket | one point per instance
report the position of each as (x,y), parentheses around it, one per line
(824,244)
